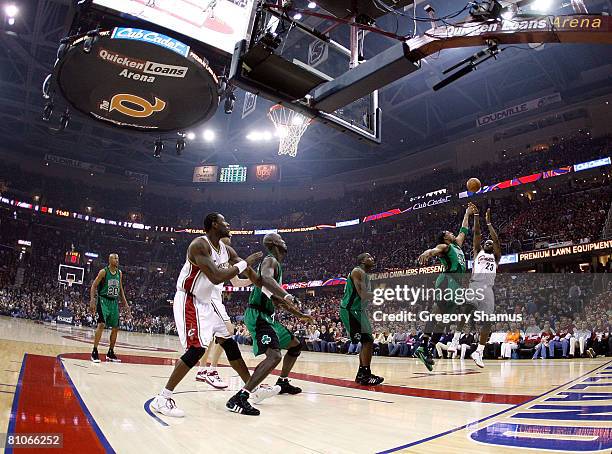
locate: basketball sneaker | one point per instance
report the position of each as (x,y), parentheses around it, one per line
(239,403)
(263,392)
(95,358)
(166,406)
(286,387)
(371,380)
(111,357)
(425,358)
(477,357)
(212,378)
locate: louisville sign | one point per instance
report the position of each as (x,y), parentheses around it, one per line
(518,109)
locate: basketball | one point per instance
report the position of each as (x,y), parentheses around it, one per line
(473,185)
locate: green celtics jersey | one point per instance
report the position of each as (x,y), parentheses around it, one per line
(351,299)
(110,286)
(257,299)
(454,259)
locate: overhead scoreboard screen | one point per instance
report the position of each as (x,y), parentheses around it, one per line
(233,174)
(264,173)
(218,23)
(205,174)
(237,173)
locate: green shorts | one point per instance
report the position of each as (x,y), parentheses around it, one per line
(356,324)
(266,333)
(449,283)
(108,312)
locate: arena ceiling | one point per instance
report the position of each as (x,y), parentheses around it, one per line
(414,117)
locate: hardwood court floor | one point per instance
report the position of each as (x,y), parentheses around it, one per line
(47,385)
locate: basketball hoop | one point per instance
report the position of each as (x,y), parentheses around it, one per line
(290,127)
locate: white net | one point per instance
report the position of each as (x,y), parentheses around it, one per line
(290,127)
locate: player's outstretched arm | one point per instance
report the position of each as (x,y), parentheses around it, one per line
(477,235)
(268,284)
(439,250)
(471,209)
(268,274)
(236,281)
(94,289)
(494,237)
(199,254)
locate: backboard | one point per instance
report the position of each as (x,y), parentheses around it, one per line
(70,275)
(286,61)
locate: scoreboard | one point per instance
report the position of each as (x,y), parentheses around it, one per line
(233,174)
(237,173)
(72,258)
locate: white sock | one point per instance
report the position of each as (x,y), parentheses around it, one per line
(480,348)
(166,393)
(211,368)
(247,391)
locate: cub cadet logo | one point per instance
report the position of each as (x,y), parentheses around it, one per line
(146,109)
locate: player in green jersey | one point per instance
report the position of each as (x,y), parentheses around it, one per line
(357,294)
(108,286)
(449,251)
(270,336)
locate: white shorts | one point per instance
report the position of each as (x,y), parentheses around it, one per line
(485,299)
(197,322)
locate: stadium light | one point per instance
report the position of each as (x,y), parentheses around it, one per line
(209,135)
(312,5)
(11,11)
(297,16)
(190,136)
(541,5)
(257,136)
(157,148)
(180,146)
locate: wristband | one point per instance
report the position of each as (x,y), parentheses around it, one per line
(289,295)
(266,292)
(242,265)
(464,230)
(476,214)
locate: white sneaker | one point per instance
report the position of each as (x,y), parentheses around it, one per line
(263,392)
(213,379)
(477,357)
(201,374)
(166,406)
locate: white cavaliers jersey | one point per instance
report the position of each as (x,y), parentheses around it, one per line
(193,281)
(484,268)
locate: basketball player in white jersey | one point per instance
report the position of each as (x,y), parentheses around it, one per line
(484,270)
(199,312)
(209,374)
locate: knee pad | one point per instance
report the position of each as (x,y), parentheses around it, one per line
(193,355)
(231,349)
(295,351)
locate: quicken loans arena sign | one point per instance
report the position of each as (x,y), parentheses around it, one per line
(558,23)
